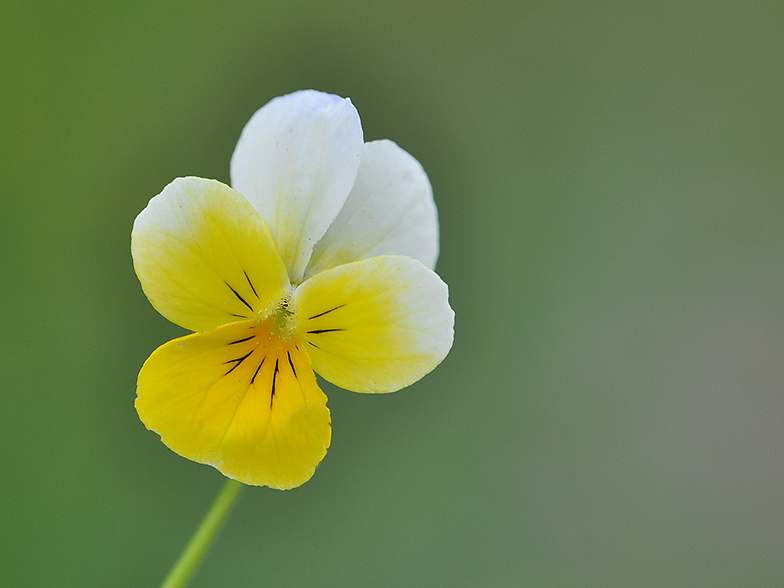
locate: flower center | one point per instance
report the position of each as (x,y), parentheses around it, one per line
(281,316)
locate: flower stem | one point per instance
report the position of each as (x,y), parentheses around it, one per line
(204,536)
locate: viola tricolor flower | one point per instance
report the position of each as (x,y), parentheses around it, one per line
(319,259)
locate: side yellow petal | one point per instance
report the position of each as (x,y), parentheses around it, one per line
(204,257)
(374,325)
(240,399)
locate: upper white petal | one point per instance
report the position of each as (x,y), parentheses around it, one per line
(296,161)
(390,211)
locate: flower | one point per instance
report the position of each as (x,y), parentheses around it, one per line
(320,258)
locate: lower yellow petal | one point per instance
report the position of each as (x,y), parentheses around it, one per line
(240,399)
(374,325)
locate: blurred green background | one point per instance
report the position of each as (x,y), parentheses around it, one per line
(610,183)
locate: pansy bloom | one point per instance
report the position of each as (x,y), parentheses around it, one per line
(319,259)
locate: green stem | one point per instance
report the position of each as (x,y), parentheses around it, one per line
(204,536)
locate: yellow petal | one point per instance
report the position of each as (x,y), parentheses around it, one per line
(238,398)
(204,257)
(374,325)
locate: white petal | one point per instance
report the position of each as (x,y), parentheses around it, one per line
(296,161)
(390,211)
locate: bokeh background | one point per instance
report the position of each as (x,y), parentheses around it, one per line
(610,182)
